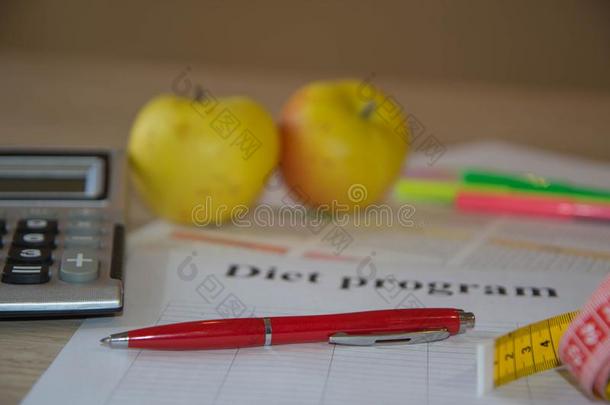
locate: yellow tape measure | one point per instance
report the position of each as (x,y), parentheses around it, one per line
(530,349)
(525,351)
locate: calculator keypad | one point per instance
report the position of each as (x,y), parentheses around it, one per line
(35,244)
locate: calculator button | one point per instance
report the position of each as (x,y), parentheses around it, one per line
(79,266)
(42,213)
(25,273)
(33,239)
(37,225)
(83,227)
(91,241)
(29,255)
(86,213)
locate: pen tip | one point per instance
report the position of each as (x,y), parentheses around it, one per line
(116,340)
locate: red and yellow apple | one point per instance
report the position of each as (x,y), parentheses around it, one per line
(342,141)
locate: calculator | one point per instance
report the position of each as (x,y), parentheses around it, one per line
(61,232)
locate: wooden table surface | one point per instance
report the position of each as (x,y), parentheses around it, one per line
(52,100)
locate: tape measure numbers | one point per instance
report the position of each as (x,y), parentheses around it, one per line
(525,351)
(529,349)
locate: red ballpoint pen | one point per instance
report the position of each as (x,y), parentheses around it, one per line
(416,325)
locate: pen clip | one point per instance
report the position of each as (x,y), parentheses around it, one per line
(424,336)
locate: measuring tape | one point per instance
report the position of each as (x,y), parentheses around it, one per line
(579,340)
(585,348)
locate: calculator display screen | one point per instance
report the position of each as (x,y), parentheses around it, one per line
(42,185)
(53,177)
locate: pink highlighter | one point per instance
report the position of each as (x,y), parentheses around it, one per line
(558,207)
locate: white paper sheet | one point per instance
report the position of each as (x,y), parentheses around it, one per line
(170,279)
(191,285)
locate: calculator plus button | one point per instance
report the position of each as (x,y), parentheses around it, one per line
(33,239)
(79,266)
(83,227)
(37,225)
(29,255)
(25,273)
(91,241)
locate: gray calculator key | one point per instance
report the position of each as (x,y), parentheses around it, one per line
(91,241)
(87,213)
(79,266)
(42,213)
(83,227)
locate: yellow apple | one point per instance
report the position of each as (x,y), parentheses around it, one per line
(342,141)
(196,162)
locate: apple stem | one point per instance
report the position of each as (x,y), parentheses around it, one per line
(198,96)
(368,109)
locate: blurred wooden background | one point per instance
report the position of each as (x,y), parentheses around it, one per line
(542,42)
(456,65)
